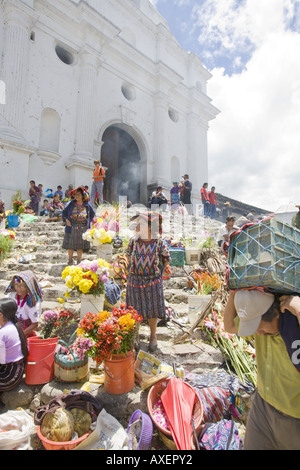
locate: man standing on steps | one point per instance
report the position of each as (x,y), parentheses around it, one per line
(97,186)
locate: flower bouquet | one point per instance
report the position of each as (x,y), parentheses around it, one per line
(104,334)
(56,322)
(207,283)
(237,352)
(88,277)
(7,242)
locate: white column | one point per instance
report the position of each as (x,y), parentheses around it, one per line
(161,159)
(17,24)
(87,101)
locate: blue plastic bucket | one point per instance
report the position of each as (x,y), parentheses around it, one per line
(13,220)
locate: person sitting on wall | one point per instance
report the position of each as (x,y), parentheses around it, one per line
(159,198)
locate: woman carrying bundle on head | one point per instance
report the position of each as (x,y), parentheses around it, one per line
(24,289)
(13,347)
(148,257)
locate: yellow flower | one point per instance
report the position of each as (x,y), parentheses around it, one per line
(94,277)
(102,316)
(65,272)
(67,294)
(127,321)
(60,300)
(103,264)
(85,285)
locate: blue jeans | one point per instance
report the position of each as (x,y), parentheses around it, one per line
(212,211)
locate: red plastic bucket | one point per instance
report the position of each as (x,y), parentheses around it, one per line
(40,361)
(119,373)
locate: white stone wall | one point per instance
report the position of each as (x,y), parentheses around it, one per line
(114,44)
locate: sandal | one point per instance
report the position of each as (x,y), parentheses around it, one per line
(152,345)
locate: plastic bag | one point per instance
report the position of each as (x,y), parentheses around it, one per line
(15,430)
(108,435)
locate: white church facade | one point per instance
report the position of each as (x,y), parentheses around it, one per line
(85,80)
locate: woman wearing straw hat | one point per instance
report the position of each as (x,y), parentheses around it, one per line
(77,215)
(148,257)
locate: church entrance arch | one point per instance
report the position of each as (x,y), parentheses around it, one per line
(121,157)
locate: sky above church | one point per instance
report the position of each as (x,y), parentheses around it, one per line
(252,49)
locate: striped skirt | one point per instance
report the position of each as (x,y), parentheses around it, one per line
(145,294)
(11,375)
(74,240)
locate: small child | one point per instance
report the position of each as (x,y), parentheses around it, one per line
(148,258)
(45,210)
(26,292)
(59,192)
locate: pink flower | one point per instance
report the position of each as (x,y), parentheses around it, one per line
(94,266)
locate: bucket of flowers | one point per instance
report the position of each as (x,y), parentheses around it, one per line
(109,337)
(101,235)
(206,284)
(88,280)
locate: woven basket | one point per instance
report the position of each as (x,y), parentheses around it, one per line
(68,371)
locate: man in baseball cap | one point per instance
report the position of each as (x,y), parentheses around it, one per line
(274,418)
(251,306)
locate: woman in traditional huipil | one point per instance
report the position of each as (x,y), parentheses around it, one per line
(148,257)
(77,215)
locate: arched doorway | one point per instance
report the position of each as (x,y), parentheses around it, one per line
(121,156)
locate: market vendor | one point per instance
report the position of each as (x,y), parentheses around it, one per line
(274,418)
(24,289)
(13,347)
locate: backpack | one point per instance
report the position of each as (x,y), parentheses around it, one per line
(223,435)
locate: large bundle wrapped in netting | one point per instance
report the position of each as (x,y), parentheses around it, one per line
(265,254)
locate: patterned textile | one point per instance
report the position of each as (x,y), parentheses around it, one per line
(74,240)
(215,401)
(144,285)
(147,258)
(35,293)
(146,295)
(11,375)
(223,435)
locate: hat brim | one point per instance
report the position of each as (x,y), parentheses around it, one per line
(249,327)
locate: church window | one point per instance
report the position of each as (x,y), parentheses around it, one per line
(173,115)
(49,130)
(64,55)
(128,91)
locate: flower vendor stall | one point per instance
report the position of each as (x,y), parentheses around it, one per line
(87,279)
(109,337)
